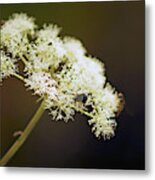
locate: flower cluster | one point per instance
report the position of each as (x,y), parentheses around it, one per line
(8,66)
(59,70)
(15,32)
(42,84)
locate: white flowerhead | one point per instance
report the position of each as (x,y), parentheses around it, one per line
(60,72)
(15,31)
(102,127)
(48,33)
(74,47)
(42,84)
(7,65)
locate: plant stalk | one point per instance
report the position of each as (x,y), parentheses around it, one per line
(18,143)
(18,76)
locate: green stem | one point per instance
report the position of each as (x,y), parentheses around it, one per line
(86,113)
(18,76)
(18,143)
(81,111)
(23,60)
(52,71)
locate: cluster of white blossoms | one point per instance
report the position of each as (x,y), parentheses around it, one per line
(58,70)
(15,31)
(42,84)
(7,66)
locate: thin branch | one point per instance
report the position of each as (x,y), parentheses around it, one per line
(18,76)
(18,143)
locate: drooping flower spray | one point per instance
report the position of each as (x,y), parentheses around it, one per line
(60,72)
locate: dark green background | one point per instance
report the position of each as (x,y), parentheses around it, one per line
(113,32)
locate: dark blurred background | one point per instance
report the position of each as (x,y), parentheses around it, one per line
(113,32)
